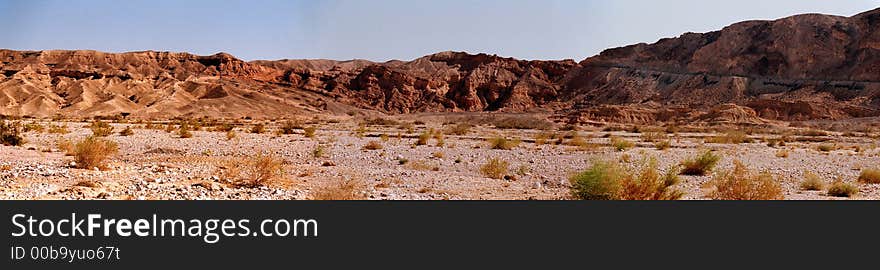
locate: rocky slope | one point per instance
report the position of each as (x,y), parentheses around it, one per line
(798,68)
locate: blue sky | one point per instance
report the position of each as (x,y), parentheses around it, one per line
(379,30)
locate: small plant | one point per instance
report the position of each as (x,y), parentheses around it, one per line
(826,147)
(577,140)
(842,189)
(343,189)
(258,171)
(319,152)
(259,128)
(65,146)
(663,145)
(58,129)
(33,126)
(812,182)
(309,132)
(653,137)
(402,161)
(730,137)
(10,133)
(288,127)
(608,181)
(101,129)
(230,135)
(373,145)
(92,152)
(438,155)
(423,138)
(460,129)
(495,168)
(621,144)
(740,184)
(502,143)
(701,164)
(782,153)
(184,132)
(127,131)
(870,176)
(383,137)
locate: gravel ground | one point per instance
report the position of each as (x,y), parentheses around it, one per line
(153,164)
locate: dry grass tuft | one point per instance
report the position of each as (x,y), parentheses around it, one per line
(373,145)
(663,145)
(339,190)
(870,176)
(812,181)
(502,143)
(460,129)
(730,137)
(10,133)
(92,152)
(608,181)
(258,128)
(230,135)
(782,153)
(700,165)
(254,172)
(127,131)
(739,184)
(309,132)
(842,189)
(495,168)
(184,132)
(621,144)
(101,129)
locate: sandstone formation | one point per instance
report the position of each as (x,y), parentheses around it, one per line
(804,67)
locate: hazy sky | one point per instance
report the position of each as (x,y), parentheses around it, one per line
(380,29)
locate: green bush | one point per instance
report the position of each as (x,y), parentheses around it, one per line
(700,165)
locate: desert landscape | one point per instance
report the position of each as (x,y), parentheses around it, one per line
(760,110)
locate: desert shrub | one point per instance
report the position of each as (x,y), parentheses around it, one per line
(258,171)
(495,168)
(438,155)
(223,127)
(309,132)
(92,152)
(169,128)
(842,189)
(576,140)
(423,138)
(543,138)
(65,146)
(522,122)
(701,164)
(502,143)
(343,189)
(812,181)
(782,153)
(10,133)
(373,145)
(740,184)
(653,136)
(730,137)
(33,126)
(621,144)
(663,145)
(184,132)
(230,135)
(378,121)
(289,127)
(650,185)
(384,137)
(258,128)
(101,129)
(58,129)
(460,129)
(608,181)
(870,176)
(360,131)
(826,147)
(127,131)
(319,152)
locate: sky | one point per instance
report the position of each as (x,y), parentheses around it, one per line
(379,30)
